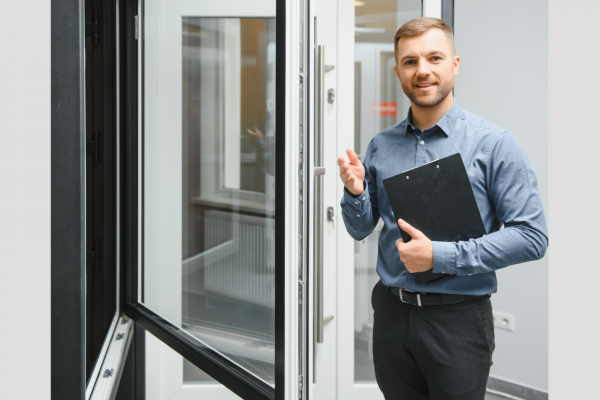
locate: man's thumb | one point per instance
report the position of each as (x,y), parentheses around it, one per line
(408,228)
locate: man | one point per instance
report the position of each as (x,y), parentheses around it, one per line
(439,345)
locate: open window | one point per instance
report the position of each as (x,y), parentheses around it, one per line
(206,259)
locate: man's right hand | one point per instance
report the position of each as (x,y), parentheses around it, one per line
(352,173)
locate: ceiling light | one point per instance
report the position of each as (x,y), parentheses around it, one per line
(359,29)
(358,3)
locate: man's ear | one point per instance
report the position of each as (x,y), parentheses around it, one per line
(397,73)
(456,64)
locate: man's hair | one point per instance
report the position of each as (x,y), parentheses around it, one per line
(418,26)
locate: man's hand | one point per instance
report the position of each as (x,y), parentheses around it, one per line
(255,135)
(352,173)
(417,255)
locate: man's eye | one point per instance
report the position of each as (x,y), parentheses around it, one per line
(409,62)
(436,58)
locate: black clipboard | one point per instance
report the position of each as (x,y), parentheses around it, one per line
(437,199)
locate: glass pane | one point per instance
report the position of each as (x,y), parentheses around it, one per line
(378,103)
(209,185)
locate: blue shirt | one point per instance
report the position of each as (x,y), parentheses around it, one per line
(505,188)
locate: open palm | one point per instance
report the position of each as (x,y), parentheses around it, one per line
(352,173)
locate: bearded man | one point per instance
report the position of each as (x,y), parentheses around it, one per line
(435,340)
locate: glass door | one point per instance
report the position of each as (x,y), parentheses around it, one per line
(209,254)
(379,104)
(358,41)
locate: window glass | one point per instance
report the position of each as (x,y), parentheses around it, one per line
(379,103)
(209,185)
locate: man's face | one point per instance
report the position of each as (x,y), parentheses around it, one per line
(426,67)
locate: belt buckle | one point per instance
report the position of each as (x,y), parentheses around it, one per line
(400,293)
(402,298)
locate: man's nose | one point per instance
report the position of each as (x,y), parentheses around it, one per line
(423,69)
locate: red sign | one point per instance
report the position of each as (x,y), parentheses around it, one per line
(385,109)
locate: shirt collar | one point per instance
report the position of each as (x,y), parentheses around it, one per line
(446,123)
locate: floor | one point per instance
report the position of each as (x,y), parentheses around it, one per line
(193,375)
(489,396)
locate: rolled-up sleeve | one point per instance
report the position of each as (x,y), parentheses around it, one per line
(512,188)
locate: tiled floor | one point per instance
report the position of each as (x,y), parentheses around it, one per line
(489,396)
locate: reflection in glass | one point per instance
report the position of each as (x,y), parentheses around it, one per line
(228,189)
(209,186)
(379,103)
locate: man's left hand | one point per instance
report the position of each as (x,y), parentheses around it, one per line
(417,255)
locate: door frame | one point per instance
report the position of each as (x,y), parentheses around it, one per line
(344,100)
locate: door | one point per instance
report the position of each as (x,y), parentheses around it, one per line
(325,73)
(211,196)
(357,39)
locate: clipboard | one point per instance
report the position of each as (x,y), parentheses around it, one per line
(437,199)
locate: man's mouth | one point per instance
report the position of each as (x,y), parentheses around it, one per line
(424,87)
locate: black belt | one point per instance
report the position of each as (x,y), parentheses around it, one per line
(430,299)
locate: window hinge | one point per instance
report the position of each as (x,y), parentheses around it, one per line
(108,373)
(93,29)
(137,27)
(120,336)
(94,146)
(300,386)
(93,257)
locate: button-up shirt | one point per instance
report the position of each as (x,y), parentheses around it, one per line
(504,185)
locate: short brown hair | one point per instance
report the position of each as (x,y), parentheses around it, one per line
(418,26)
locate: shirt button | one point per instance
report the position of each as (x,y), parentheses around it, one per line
(356,202)
(358,215)
(363,198)
(422,142)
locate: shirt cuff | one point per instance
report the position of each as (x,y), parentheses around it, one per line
(444,258)
(356,203)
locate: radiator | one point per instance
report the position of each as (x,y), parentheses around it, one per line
(239,256)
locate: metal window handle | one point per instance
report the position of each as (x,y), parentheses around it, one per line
(331,215)
(317,171)
(319,217)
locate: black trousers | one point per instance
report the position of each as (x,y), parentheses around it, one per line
(432,352)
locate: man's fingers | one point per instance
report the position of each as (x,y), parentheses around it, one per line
(341,161)
(345,177)
(345,170)
(352,157)
(406,227)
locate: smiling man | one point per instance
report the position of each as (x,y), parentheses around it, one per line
(435,340)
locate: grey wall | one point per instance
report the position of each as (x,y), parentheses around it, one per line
(503,77)
(25,200)
(575,215)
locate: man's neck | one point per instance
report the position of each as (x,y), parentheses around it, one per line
(426,117)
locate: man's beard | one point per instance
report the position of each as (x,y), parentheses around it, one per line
(428,100)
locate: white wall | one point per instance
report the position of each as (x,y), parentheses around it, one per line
(503,77)
(25,200)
